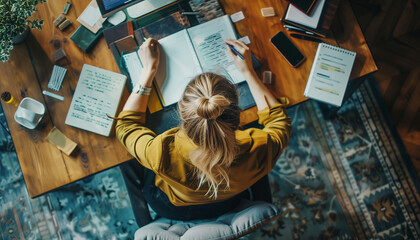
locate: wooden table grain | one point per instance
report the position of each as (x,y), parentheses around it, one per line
(29,69)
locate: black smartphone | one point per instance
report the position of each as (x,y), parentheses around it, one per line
(287,48)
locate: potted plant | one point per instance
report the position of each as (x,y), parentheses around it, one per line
(14,22)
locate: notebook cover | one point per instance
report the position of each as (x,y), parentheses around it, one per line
(84,38)
(118,32)
(125,45)
(305,6)
(327,16)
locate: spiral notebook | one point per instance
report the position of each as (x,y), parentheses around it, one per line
(329,74)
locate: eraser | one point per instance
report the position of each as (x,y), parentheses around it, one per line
(66,8)
(53,95)
(236,17)
(267,77)
(58,55)
(59,20)
(268,12)
(245,40)
(64,24)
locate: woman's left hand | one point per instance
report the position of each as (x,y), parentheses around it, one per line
(149,53)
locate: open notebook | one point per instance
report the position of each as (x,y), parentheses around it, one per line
(188,53)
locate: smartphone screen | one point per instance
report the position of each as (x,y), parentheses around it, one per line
(287,49)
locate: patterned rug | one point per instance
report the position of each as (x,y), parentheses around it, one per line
(345,178)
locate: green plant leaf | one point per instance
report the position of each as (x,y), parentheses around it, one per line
(14,20)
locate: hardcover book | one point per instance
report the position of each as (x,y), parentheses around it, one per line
(118,32)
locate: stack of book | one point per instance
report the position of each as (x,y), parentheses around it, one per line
(313,16)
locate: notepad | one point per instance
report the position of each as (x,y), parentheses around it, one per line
(98,93)
(329,74)
(188,53)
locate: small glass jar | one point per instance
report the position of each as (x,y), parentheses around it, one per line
(8,98)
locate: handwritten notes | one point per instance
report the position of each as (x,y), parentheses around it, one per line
(211,49)
(97,95)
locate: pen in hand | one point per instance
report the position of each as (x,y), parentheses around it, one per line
(235,51)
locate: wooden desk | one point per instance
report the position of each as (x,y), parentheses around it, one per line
(345,32)
(29,69)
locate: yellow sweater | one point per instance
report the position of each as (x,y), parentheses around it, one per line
(167,154)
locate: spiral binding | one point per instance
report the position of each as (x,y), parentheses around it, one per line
(338,49)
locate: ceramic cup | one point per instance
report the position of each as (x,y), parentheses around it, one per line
(29,112)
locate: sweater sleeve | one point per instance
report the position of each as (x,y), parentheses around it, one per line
(136,138)
(277,124)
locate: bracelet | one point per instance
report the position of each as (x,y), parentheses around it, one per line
(140,89)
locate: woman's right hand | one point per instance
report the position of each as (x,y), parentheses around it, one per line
(244,65)
(149,53)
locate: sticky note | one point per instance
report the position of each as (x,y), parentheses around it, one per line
(236,17)
(245,40)
(268,12)
(57,138)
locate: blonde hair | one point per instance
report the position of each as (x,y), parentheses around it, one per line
(210,115)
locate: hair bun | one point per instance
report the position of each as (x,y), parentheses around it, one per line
(213,107)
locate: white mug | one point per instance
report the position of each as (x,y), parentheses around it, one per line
(28,115)
(29,112)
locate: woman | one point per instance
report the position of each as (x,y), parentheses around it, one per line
(202,168)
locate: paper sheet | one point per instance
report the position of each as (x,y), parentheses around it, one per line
(178,65)
(98,93)
(91,15)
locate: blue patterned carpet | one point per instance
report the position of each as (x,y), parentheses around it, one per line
(345,178)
